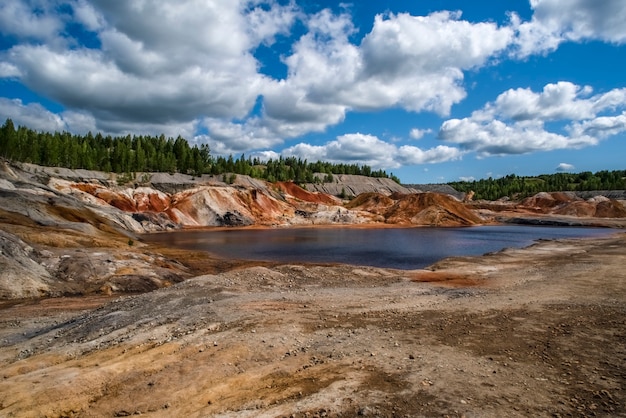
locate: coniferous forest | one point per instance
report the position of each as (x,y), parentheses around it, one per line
(132,154)
(516,186)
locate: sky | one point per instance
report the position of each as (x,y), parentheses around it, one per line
(431,91)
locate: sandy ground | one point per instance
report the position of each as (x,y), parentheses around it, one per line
(539,331)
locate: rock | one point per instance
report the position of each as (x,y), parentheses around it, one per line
(21,276)
(352,185)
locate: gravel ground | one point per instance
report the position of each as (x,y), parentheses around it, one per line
(539,331)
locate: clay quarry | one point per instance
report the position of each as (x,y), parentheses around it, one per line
(96,322)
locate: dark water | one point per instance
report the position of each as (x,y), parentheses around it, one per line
(402,248)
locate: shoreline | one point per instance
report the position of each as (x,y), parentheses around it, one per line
(242,260)
(500,219)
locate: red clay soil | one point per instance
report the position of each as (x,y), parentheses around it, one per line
(610,209)
(263,207)
(299,193)
(546,201)
(185,206)
(114,199)
(372,202)
(151,202)
(580,208)
(431,209)
(560,203)
(140,202)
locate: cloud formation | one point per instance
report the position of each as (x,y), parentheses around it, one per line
(157,64)
(515,122)
(370,150)
(558,21)
(193,68)
(564,167)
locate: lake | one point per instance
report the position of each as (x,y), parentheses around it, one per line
(401,248)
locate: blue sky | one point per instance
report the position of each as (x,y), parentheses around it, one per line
(433,91)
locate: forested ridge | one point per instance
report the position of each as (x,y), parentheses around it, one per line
(144,153)
(516,186)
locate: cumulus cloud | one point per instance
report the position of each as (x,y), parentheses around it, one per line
(600,127)
(412,62)
(233,138)
(557,101)
(19,19)
(32,115)
(37,117)
(87,15)
(563,167)
(498,138)
(416,133)
(189,68)
(370,150)
(415,63)
(159,64)
(515,122)
(328,75)
(557,21)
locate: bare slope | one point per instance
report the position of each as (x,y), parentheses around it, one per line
(432,209)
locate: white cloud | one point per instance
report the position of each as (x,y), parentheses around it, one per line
(31,115)
(600,127)
(80,122)
(563,167)
(264,24)
(35,116)
(498,138)
(161,64)
(557,21)
(168,64)
(464,178)
(415,63)
(19,18)
(416,133)
(232,138)
(9,70)
(189,67)
(88,16)
(265,155)
(409,155)
(515,122)
(558,101)
(370,150)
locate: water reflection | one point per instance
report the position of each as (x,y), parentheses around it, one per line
(404,248)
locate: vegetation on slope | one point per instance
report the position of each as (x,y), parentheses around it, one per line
(519,187)
(144,153)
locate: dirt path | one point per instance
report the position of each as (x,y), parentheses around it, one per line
(533,332)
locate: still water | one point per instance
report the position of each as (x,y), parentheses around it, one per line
(401,248)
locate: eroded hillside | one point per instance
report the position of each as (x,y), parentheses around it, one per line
(79,232)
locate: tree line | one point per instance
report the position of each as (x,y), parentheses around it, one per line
(123,154)
(291,169)
(144,153)
(518,187)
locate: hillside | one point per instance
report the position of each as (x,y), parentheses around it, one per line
(79,231)
(417,209)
